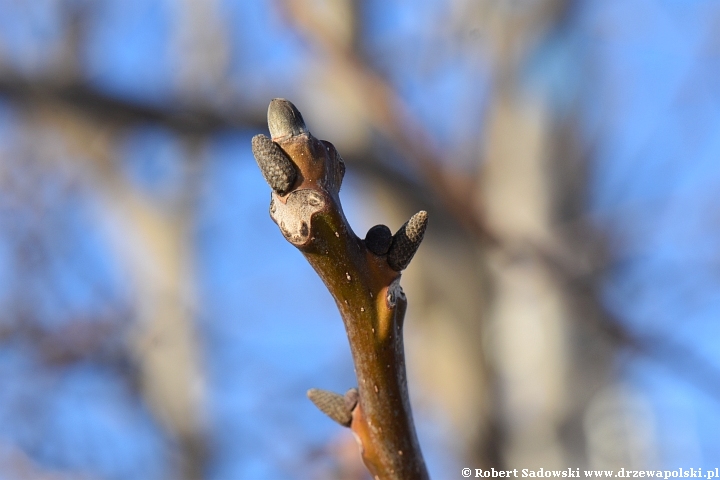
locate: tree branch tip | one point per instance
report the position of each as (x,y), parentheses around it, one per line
(333,405)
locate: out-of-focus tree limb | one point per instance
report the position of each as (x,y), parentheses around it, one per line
(153,242)
(118,112)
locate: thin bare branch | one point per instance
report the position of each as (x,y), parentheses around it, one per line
(111,109)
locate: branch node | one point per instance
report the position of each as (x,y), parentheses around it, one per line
(395,293)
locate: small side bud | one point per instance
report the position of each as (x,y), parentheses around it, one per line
(378,239)
(351,399)
(279,171)
(406,241)
(332,404)
(284,119)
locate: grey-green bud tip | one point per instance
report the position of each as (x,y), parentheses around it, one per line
(284,119)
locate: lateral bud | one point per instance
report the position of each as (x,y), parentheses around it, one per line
(337,407)
(406,241)
(277,169)
(378,239)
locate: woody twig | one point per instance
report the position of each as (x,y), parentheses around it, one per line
(363,275)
